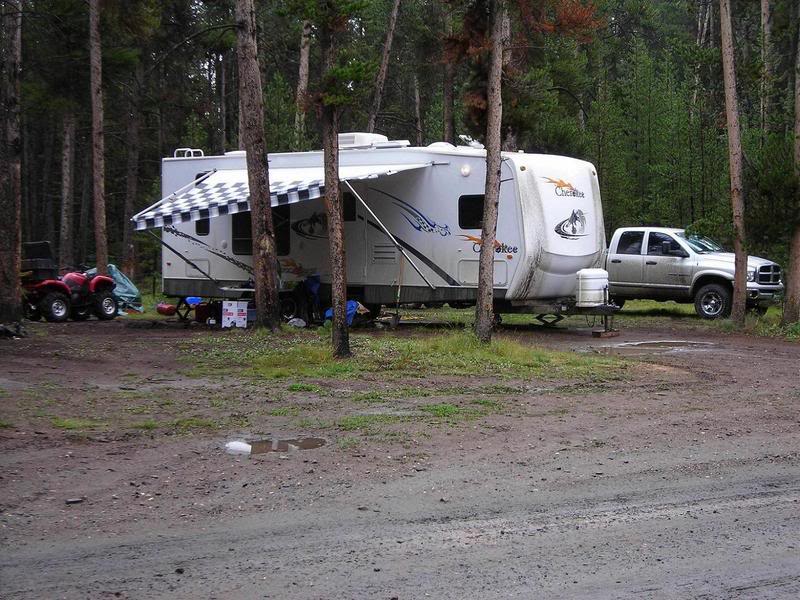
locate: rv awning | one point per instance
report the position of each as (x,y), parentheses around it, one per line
(227,192)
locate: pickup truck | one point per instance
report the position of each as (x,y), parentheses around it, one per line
(662,263)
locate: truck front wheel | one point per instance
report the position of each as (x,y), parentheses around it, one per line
(713,301)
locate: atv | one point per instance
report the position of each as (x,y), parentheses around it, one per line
(74,294)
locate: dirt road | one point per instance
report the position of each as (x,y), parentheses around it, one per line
(681,480)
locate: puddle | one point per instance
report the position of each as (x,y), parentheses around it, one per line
(651,347)
(268,445)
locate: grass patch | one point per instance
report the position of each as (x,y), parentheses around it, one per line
(72,424)
(305,387)
(5,424)
(492,405)
(368,397)
(148,425)
(348,442)
(443,410)
(284,411)
(192,423)
(454,353)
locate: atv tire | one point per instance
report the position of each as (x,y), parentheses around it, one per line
(54,307)
(105,306)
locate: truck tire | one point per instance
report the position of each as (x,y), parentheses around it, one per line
(54,307)
(713,301)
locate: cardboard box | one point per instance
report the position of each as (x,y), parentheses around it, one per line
(234,314)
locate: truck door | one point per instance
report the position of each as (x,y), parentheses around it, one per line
(625,266)
(667,275)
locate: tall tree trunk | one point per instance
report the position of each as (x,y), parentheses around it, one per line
(380,80)
(132,143)
(735,160)
(791,309)
(265,260)
(46,215)
(98,143)
(302,87)
(65,256)
(417,111)
(340,336)
(223,104)
(484,308)
(10,165)
(766,65)
(83,217)
(448,85)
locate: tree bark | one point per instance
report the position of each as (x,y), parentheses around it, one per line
(10,165)
(65,244)
(132,142)
(417,111)
(448,85)
(223,104)
(791,308)
(735,160)
(380,80)
(766,65)
(340,336)
(98,143)
(484,307)
(302,87)
(83,222)
(265,260)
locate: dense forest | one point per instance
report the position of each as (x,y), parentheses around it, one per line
(635,87)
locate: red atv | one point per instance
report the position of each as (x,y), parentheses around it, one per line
(75,295)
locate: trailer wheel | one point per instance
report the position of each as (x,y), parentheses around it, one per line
(713,301)
(289,308)
(55,307)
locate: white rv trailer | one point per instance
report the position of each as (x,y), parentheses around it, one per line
(412,218)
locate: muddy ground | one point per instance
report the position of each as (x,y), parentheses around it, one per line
(679,479)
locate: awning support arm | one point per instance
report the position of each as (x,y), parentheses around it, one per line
(183,258)
(389,235)
(175,193)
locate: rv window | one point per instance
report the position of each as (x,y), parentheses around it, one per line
(349,206)
(202,226)
(281,220)
(242,233)
(630,242)
(470,212)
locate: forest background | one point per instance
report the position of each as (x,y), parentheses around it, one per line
(640,95)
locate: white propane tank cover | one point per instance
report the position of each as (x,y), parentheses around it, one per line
(591,288)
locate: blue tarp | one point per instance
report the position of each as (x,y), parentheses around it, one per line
(352,309)
(125,292)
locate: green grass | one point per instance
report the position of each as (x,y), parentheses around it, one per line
(284,411)
(492,405)
(348,442)
(74,424)
(453,353)
(5,424)
(365,422)
(305,387)
(441,410)
(148,425)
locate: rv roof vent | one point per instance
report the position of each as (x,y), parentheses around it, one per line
(443,145)
(236,153)
(187,153)
(361,140)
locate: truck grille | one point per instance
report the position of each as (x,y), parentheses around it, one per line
(769,275)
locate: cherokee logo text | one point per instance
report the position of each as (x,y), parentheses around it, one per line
(565,188)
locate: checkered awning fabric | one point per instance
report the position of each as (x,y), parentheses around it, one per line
(227,192)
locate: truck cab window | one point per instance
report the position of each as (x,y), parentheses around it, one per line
(630,242)
(202,226)
(242,232)
(470,212)
(655,240)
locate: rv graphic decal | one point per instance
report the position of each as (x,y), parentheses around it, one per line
(419,221)
(499,247)
(295,268)
(314,227)
(574,227)
(565,188)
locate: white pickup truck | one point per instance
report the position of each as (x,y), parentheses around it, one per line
(661,263)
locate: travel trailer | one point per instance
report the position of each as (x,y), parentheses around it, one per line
(412,219)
